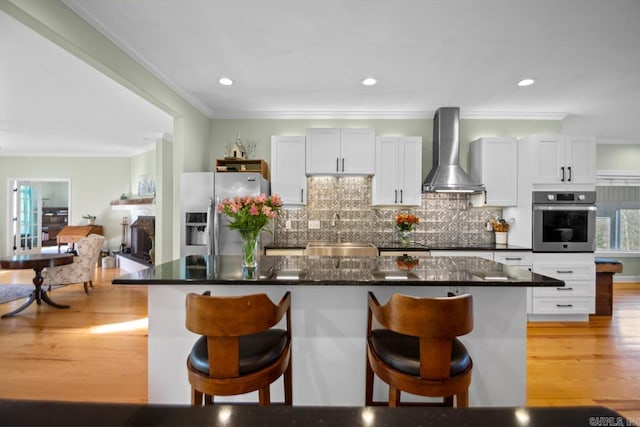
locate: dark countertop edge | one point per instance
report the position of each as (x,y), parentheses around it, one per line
(51,413)
(302,282)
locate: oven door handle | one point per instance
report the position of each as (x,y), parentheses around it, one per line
(564,208)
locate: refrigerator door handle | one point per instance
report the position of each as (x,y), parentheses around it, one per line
(216,229)
(208,227)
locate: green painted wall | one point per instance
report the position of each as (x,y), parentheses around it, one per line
(95,181)
(623,157)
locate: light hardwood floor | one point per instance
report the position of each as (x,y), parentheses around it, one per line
(54,354)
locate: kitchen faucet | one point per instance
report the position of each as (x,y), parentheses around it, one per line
(336,221)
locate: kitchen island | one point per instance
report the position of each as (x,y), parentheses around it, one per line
(329,313)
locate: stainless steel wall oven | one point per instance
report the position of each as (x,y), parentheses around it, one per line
(564,221)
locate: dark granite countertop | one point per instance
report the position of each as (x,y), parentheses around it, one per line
(417,246)
(314,270)
(45,413)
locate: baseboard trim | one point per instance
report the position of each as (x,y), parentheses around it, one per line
(625,279)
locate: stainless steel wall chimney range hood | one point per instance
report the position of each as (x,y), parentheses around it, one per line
(446,174)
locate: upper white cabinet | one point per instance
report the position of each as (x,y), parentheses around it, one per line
(288,175)
(398,174)
(494,163)
(340,151)
(562,159)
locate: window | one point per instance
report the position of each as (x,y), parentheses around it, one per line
(618,218)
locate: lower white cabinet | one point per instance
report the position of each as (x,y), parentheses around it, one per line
(575,300)
(288,175)
(284,251)
(480,254)
(514,258)
(399,252)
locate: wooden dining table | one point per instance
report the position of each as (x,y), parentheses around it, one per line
(37,262)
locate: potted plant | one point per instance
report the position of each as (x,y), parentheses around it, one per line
(91,219)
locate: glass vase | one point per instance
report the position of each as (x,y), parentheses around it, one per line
(249,242)
(404,236)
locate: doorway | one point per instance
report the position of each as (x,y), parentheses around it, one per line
(39,209)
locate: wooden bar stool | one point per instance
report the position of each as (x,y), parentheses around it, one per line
(418,352)
(238,351)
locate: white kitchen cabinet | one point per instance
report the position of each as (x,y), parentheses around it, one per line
(284,251)
(575,300)
(494,163)
(480,254)
(400,252)
(514,258)
(340,151)
(398,173)
(561,159)
(288,174)
(520,259)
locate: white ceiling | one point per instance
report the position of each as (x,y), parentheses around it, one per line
(52,103)
(292,58)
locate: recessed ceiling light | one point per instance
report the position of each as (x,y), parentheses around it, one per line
(526,82)
(225,81)
(369,81)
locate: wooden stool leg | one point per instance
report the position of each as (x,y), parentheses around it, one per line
(86,289)
(462,399)
(447,401)
(368,396)
(288,384)
(208,399)
(394,397)
(264,396)
(196,397)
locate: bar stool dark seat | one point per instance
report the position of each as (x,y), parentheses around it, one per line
(238,352)
(418,352)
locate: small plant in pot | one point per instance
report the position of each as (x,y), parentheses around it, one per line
(91,219)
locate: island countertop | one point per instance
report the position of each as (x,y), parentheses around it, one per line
(329,319)
(314,270)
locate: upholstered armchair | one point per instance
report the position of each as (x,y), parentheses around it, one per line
(83,267)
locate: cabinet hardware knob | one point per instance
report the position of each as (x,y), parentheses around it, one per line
(562,173)
(395,197)
(569,174)
(513,258)
(400,196)
(337,164)
(564,289)
(343,164)
(564,271)
(564,305)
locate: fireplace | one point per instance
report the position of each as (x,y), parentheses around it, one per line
(142,232)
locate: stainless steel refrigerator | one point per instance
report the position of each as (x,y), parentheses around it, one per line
(204,230)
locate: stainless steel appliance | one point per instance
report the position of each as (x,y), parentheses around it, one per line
(203,230)
(564,221)
(447,175)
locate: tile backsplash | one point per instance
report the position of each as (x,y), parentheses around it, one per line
(342,206)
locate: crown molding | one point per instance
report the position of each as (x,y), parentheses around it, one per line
(84,14)
(393,115)
(617,141)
